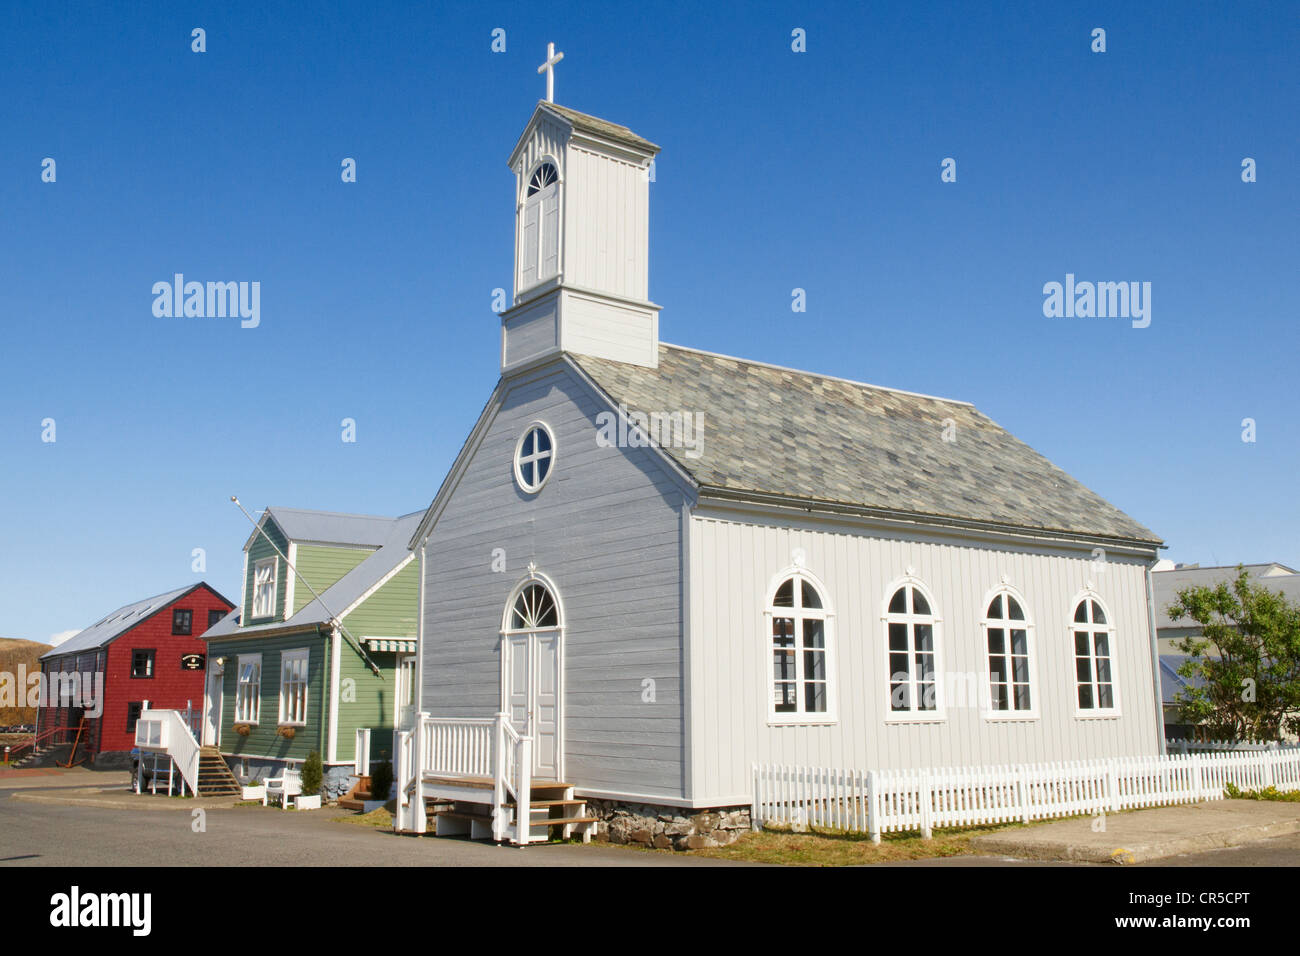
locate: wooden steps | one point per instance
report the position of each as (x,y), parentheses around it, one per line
(553,812)
(215,778)
(356,798)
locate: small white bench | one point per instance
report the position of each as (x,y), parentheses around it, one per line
(286,786)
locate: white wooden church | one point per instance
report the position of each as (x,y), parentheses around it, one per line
(652,568)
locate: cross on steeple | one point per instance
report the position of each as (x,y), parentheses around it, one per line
(548,68)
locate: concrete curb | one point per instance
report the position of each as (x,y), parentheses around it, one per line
(115,798)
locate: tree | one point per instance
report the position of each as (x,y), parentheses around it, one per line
(1245,664)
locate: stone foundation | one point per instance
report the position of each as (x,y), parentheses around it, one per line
(666,828)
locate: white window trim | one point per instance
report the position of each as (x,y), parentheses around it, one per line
(519,447)
(940,713)
(239,672)
(1003,716)
(303,654)
(1093,713)
(274,562)
(800,717)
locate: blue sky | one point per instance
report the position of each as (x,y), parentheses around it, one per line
(817,170)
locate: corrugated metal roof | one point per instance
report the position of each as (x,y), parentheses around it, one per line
(112,625)
(1167,584)
(331,527)
(775,431)
(344,592)
(1171,682)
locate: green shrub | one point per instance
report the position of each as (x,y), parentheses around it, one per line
(381,781)
(312,772)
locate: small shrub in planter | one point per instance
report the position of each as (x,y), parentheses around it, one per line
(243,729)
(286,732)
(312,774)
(381,781)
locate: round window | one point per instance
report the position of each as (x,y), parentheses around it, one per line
(534,457)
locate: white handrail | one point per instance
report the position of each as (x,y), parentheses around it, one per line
(166,731)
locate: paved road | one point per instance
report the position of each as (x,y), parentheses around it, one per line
(44,834)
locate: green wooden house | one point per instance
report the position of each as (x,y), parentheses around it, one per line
(321,654)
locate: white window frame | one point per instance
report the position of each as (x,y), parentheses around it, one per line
(826,615)
(258,565)
(302,687)
(1004,624)
(240,708)
(935,619)
(525,487)
(1094,712)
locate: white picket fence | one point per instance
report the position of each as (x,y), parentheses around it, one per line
(886,801)
(1222,746)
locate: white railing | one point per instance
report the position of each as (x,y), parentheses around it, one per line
(884,801)
(512,761)
(456,746)
(167,732)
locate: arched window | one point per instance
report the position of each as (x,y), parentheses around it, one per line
(534,456)
(1007,656)
(910,625)
(544,176)
(800,651)
(1093,668)
(539,227)
(534,609)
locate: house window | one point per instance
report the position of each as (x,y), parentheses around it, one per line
(182,620)
(248,692)
(142,662)
(534,456)
(264,575)
(215,615)
(1006,646)
(293,687)
(133,715)
(800,646)
(1093,671)
(910,624)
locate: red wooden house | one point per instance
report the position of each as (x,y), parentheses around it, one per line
(152,650)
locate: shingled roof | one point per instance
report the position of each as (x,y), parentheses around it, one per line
(771,431)
(599,127)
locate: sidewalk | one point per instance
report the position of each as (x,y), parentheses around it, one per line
(45,777)
(1139,836)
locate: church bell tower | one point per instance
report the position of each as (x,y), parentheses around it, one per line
(582,203)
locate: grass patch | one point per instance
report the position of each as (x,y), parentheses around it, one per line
(837,848)
(1268,793)
(380,818)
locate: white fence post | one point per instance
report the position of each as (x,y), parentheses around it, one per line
(926,796)
(1022,791)
(418,763)
(873,807)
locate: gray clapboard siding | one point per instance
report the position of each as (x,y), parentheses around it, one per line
(732,564)
(607,529)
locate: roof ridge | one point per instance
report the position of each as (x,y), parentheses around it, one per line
(334,514)
(833,378)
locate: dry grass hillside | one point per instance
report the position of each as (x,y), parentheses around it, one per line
(12,654)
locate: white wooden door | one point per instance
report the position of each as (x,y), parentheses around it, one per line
(531,694)
(212,706)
